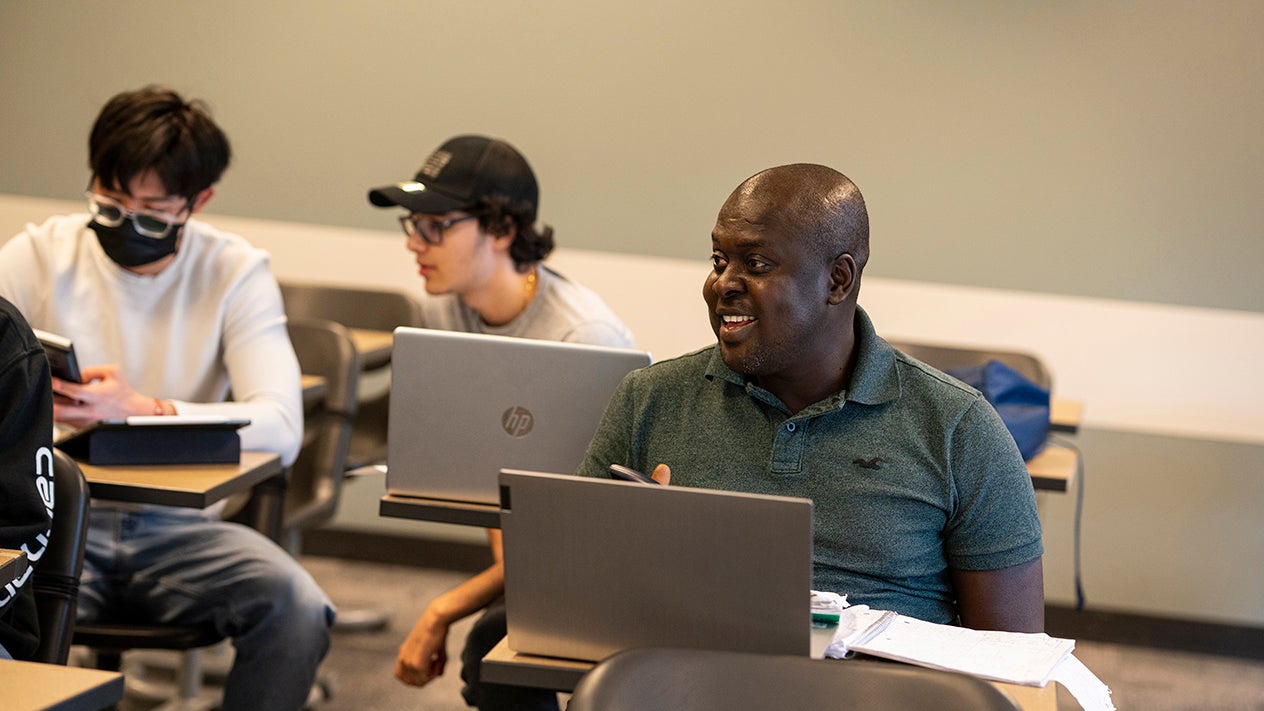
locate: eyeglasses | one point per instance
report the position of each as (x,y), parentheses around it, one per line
(429,229)
(149,223)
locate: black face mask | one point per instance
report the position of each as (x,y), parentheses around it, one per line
(129,248)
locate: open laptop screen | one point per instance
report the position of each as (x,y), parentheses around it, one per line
(593,566)
(463,406)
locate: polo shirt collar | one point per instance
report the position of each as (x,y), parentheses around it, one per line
(873,378)
(716,369)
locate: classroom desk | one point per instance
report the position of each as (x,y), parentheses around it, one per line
(373,346)
(1065,415)
(30,686)
(1054,469)
(12,565)
(191,485)
(314,389)
(502,665)
(419,508)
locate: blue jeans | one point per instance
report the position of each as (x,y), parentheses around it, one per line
(176,566)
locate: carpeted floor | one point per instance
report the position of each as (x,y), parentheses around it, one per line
(359,664)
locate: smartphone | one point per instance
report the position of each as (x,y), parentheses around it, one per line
(618,471)
(61,356)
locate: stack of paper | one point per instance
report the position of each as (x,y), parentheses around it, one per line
(1001,656)
(1013,657)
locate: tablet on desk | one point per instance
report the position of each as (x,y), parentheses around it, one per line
(151,439)
(61,356)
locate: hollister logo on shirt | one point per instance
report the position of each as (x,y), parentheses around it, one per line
(875,463)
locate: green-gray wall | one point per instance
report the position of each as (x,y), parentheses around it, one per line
(1088,148)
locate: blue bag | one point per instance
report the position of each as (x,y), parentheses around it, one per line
(1022,404)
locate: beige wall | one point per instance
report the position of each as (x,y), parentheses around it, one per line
(1096,149)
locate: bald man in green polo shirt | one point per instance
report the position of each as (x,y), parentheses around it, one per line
(922,502)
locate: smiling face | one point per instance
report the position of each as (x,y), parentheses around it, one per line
(766,295)
(781,293)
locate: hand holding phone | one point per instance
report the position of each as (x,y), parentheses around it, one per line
(622,473)
(61,356)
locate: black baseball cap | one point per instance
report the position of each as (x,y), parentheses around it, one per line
(458,174)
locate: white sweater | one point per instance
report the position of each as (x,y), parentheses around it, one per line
(210,322)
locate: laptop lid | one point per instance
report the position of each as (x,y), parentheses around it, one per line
(594,566)
(463,406)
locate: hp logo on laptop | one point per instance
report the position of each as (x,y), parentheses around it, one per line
(517,421)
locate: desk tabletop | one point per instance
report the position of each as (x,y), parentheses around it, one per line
(314,389)
(29,686)
(440,511)
(374,346)
(12,565)
(1065,415)
(190,485)
(502,665)
(1054,469)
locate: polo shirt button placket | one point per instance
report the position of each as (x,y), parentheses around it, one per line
(787,450)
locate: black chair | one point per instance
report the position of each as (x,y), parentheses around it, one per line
(379,310)
(57,575)
(109,640)
(324,348)
(700,680)
(376,309)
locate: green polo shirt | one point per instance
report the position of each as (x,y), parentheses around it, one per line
(910,471)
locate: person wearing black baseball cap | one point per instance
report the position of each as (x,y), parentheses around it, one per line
(470,222)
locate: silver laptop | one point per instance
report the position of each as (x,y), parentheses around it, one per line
(463,406)
(594,566)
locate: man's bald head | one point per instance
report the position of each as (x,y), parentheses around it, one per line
(810,202)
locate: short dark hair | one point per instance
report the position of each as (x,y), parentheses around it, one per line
(530,246)
(154,128)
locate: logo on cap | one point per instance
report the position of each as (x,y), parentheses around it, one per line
(517,421)
(435,163)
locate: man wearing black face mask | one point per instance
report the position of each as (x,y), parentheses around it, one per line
(145,239)
(171,315)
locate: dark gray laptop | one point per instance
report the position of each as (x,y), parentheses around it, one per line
(463,406)
(594,566)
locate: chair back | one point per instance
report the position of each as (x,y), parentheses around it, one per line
(946,357)
(57,575)
(324,348)
(701,680)
(375,309)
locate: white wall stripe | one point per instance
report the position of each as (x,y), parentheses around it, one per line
(1148,368)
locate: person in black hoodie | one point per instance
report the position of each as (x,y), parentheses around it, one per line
(26,440)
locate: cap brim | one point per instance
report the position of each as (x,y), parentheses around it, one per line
(415,197)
